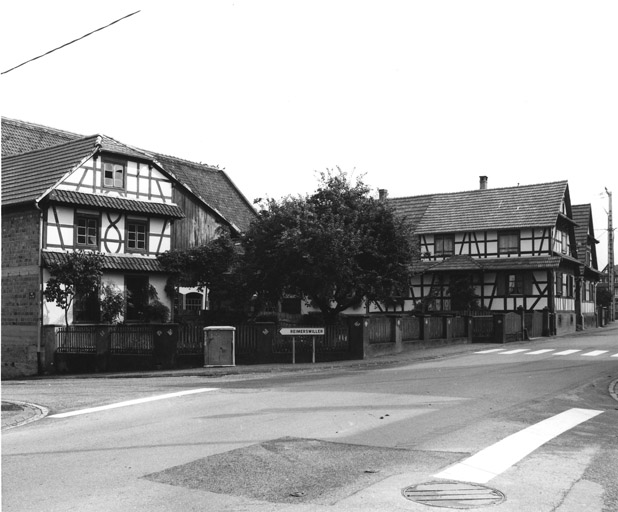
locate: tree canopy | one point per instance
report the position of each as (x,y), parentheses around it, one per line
(206,266)
(336,247)
(80,272)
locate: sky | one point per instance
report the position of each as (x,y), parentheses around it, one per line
(414,97)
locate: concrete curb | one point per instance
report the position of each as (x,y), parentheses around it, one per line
(613,389)
(28,414)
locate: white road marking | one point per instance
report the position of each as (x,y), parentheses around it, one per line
(516,351)
(492,461)
(490,350)
(131,402)
(542,351)
(615,355)
(566,352)
(595,353)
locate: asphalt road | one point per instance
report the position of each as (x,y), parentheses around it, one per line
(334,439)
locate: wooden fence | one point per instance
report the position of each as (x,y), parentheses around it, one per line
(108,347)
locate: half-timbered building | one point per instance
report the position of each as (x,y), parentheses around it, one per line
(62,191)
(516,246)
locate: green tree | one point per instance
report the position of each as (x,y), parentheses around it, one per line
(112,302)
(604,296)
(212,266)
(463,294)
(78,272)
(336,248)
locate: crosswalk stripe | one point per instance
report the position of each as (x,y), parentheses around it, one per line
(548,351)
(131,402)
(595,353)
(497,458)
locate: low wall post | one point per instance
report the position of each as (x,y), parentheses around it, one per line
(358,326)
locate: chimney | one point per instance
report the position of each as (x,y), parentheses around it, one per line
(383,194)
(483,182)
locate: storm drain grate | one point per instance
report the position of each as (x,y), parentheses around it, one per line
(453,495)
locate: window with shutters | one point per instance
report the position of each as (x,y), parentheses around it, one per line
(114,173)
(559,284)
(508,242)
(444,245)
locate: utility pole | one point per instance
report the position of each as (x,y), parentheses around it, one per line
(610,259)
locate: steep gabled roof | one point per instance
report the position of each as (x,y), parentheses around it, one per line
(27,176)
(211,186)
(584,233)
(500,208)
(21,137)
(214,188)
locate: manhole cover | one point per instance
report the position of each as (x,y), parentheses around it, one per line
(453,495)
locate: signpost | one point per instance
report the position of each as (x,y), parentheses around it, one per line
(302,331)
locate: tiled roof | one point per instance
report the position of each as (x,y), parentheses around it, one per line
(500,208)
(213,187)
(531,263)
(27,176)
(582,215)
(105,202)
(468,264)
(21,137)
(462,263)
(111,263)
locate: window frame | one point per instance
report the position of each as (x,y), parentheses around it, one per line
(559,284)
(130,221)
(115,162)
(442,237)
(88,216)
(510,249)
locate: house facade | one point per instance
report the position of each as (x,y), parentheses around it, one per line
(515,247)
(63,192)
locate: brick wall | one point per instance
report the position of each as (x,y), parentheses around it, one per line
(21,293)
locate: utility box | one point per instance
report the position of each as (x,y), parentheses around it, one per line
(219,346)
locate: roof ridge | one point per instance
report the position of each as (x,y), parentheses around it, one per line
(435,194)
(43,126)
(211,167)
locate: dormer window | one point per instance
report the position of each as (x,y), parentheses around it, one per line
(508,242)
(444,245)
(114,174)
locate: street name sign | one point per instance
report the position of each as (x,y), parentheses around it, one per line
(302,331)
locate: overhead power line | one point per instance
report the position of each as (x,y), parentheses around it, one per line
(70,42)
